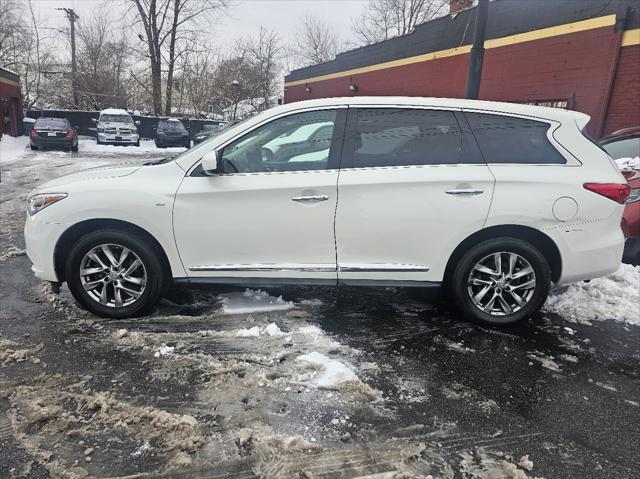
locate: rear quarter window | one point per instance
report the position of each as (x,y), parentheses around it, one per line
(506,139)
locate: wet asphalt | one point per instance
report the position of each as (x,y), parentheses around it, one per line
(565,394)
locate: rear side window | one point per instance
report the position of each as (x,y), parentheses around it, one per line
(505,139)
(401,137)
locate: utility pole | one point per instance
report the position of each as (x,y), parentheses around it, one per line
(72,17)
(476,56)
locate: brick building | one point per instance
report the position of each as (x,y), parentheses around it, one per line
(10,104)
(578,54)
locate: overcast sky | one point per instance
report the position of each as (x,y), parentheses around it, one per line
(243,19)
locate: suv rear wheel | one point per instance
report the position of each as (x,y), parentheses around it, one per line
(114,274)
(501,281)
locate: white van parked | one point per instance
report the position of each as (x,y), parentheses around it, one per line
(116,126)
(494,201)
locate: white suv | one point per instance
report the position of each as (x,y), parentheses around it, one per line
(493,200)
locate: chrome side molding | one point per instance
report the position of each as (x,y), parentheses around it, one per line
(269,267)
(382,268)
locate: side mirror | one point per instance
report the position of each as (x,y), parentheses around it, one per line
(210,162)
(137,122)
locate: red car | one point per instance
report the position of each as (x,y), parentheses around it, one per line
(626,144)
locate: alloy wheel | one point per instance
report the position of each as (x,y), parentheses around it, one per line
(113,275)
(501,283)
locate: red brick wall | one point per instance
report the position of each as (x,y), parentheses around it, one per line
(624,109)
(575,67)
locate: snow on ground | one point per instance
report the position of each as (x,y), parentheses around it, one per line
(628,163)
(252,301)
(329,373)
(613,297)
(13,148)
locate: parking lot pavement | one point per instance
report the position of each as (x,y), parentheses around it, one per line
(303,382)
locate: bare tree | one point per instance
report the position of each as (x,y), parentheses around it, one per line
(165,24)
(315,42)
(103,55)
(385,19)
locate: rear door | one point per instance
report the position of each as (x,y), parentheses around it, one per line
(412,186)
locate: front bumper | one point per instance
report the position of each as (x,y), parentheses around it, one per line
(41,238)
(118,139)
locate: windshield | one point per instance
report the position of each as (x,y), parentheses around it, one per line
(51,124)
(170,125)
(115,119)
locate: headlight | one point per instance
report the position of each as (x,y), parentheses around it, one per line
(100,130)
(634,196)
(40,201)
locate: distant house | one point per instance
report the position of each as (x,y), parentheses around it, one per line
(10,103)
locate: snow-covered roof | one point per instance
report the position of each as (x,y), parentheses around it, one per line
(114,111)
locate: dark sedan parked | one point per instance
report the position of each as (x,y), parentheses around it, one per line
(172,132)
(53,133)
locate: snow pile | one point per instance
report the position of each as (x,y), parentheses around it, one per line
(628,163)
(251,301)
(164,351)
(329,373)
(89,144)
(271,329)
(614,297)
(13,148)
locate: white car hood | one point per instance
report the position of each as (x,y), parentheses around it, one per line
(113,171)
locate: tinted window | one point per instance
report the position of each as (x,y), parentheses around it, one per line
(626,148)
(505,139)
(294,142)
(399,137)
(52,123)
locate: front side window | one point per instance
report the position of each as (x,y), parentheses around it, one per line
(506,139)
(297,142)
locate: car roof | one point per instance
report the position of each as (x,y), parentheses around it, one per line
(433,102)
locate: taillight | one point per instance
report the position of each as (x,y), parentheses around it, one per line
(614,191)
(34,133)
(71,134)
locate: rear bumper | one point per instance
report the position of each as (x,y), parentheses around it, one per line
(172,141)
(52,142)
(588,250)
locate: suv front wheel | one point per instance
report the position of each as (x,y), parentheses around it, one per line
(114,274)
(501,281)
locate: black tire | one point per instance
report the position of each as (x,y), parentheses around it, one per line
(98,142)
(33,147)
(138,143)
(460,280)
(156,281)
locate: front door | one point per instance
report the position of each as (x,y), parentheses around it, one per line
(269,213)
(412,187)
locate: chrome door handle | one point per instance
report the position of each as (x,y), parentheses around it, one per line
(465,191)
(310,199)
